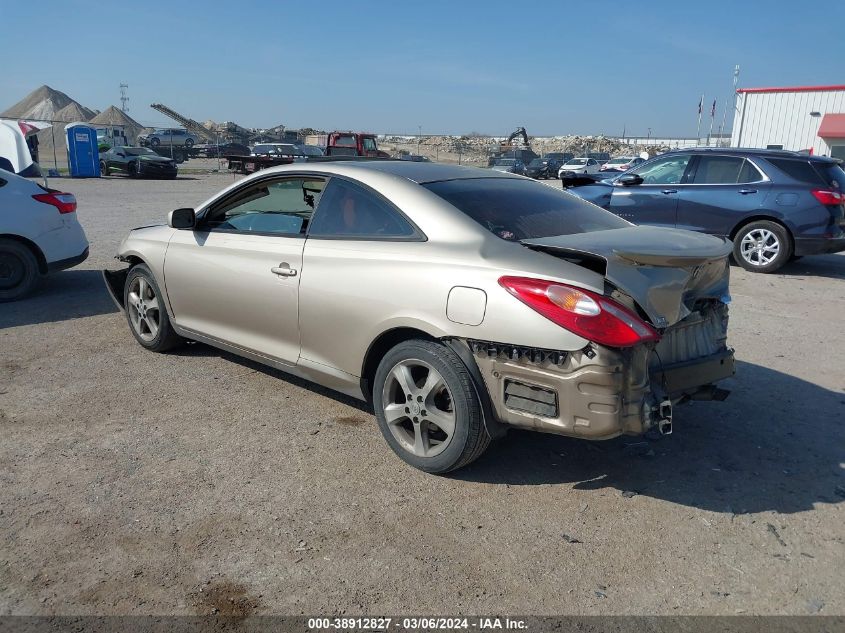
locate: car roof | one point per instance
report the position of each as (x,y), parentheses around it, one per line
(418,172)
(752,151)
(421,172)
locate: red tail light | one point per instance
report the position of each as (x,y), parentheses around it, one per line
(587,314)
(828,197)
(64,202)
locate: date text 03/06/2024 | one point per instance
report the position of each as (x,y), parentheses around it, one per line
(417,623)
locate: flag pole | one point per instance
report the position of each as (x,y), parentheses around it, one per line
(712,116)
(698,131)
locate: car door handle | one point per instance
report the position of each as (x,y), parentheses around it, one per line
(745,192)
(668,191)
(283,270)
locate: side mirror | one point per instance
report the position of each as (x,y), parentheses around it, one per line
(182,219)
(630,180)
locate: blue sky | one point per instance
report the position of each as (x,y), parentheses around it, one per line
(445,66)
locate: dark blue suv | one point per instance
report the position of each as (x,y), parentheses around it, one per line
(774,205)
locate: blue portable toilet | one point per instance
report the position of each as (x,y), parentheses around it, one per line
(83,157)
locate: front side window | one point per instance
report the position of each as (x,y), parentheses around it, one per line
(664,171)
(515,209)
(350,211)
(278,207)
(369,144)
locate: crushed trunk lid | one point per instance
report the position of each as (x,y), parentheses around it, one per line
(664,270)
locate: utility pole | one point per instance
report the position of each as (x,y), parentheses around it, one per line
(123,98)
(725,113)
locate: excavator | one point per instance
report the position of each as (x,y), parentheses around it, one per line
(509,149)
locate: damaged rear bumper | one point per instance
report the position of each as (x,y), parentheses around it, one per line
(596,393)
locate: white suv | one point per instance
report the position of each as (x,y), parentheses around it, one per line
(40,234)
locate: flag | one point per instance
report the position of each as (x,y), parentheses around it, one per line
(699,104)
(713,109)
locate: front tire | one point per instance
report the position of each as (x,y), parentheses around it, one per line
(104,168)
(189,143)
(145,311)
(154,142)
(427,407)
(762,246)
(19,273)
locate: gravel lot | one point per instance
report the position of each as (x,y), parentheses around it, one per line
(135,483)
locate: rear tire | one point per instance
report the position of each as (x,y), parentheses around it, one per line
(154,142)
(146,312)
(104,168)
(19,274)
(189,142)
(762,246)
(427,407)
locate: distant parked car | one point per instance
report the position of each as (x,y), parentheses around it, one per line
(416,158)
(509,165)
(542,168)
(40,234)
(211,150)
(561,157)
(277,149)
(774,205)
(311,150)
(169,136)
(580,166)
(622,163)
(137,162)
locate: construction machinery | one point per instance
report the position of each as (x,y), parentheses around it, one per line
(508,149)
(189,124)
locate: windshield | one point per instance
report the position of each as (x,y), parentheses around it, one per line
(517,209)
(138,151)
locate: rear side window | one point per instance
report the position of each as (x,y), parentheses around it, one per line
(800,170)
(516,209)
(749,173)
(725,170)
(832,174)
(349,211)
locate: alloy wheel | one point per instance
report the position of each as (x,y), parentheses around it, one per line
(418,408)
(760,247)
(144,309)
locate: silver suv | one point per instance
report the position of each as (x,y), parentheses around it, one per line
(169,136)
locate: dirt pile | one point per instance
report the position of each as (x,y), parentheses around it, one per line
(73,112)
(42,104)
(476,149)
